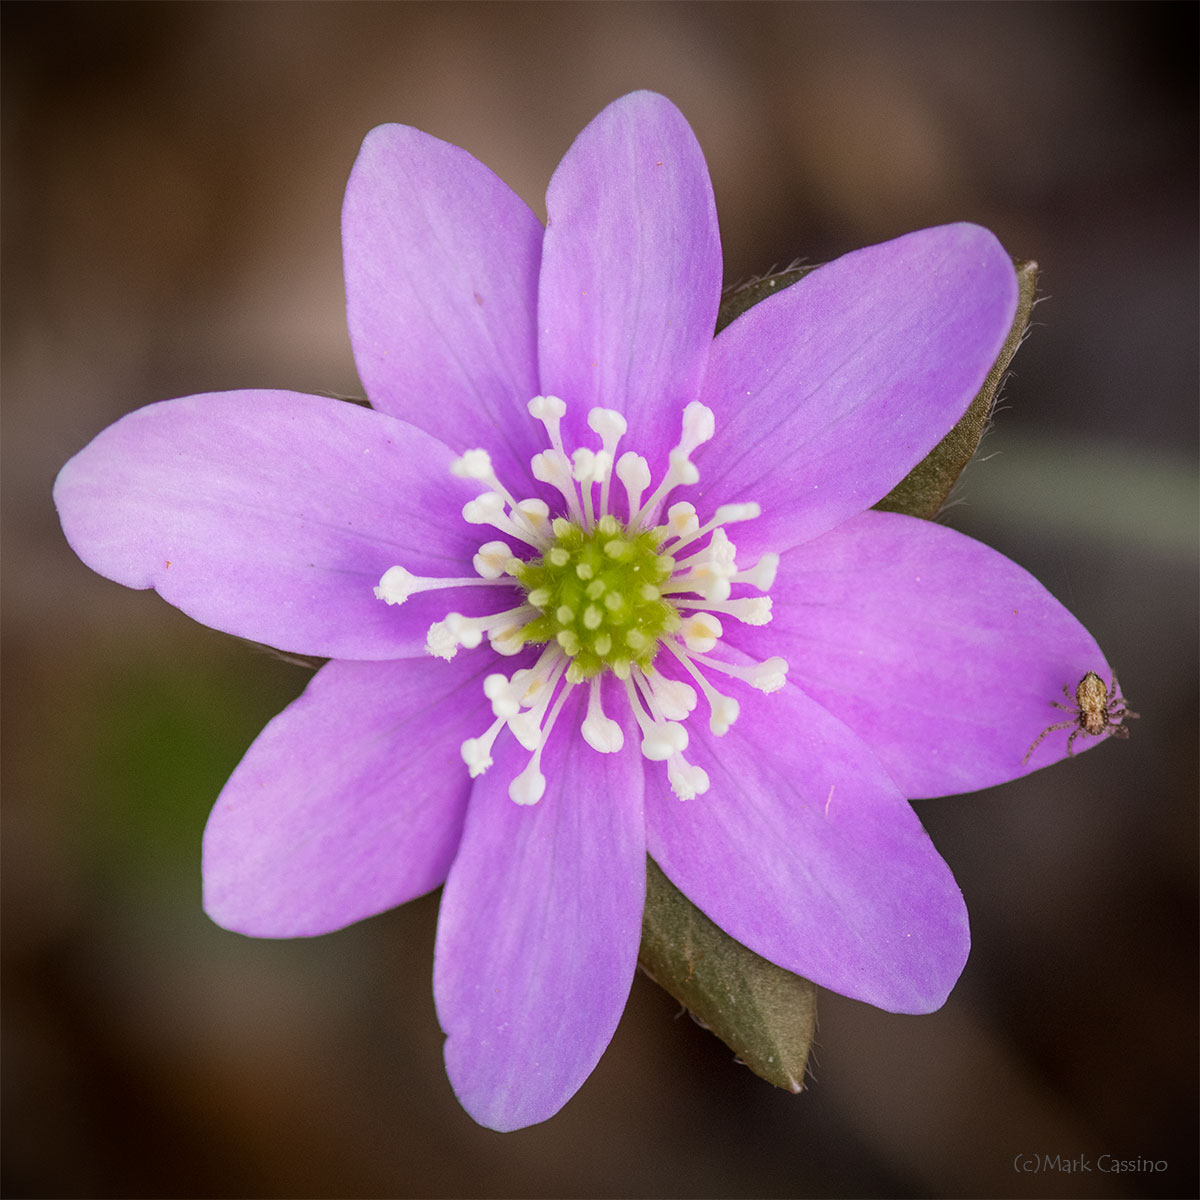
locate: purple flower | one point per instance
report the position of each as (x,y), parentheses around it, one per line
(522,563)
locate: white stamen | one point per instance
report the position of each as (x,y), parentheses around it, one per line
(530,786)
(669,699)
(682,521)
(687,780)
(510,695)
(554,467)
(473,464)
(477,465)
(536,514)
(504,693)
(590,467)
(700,632)
(526,726)
(727,514)
(730,514)
(477,752)
(761,575)
(660,739)
(611,427)
(454,630)
(609,424)
(768,676)
(634,472)
(488,509)
(752,610)
(550,410)
(698,427)
(483,508)
(508,639)
(600,732)
(709,571)
(492,560)
(398,584)
(723,709)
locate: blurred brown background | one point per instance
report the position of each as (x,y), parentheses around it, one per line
(173,175)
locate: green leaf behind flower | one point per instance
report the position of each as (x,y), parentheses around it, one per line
(765,1014)
(923,491)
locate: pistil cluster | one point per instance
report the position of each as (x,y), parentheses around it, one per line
(602,592)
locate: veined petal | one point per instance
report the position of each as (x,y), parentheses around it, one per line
(272,516)
(350,802)
(829,393)
(804,850)
(441,261)
(539,929)
(631,271)
(940,653)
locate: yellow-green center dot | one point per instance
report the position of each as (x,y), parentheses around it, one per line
(597,595)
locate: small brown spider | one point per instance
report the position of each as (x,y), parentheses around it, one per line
(1094,712)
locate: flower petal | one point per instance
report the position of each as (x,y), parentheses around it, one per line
(350,802)
(804,850)
(441,260)
(940,653)
(539,929)
(828,394)
(631,272)
(272,516)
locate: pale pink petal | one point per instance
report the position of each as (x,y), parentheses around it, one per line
(804,849)
(829,393)
(540,925)
(351,801)
(441,262)
(273,516)
(631,273)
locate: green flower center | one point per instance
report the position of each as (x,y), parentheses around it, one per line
(598,595)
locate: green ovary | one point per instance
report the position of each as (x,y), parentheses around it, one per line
(597,593)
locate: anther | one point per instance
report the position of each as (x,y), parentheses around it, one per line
(634,472)
(710,571)
(660,738)
(700,632)
(698,427)
(687,780)
(473,464)
(761,575)
(550,410)
(726,514)
(600,732)
(477,752)
(611,427)
(682,521)
(768,676)
(669,699)
(530,786)
(492,560)
(477,465)
(751,610)
(723,709)
(397,584)
(553,467)
(454,630)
